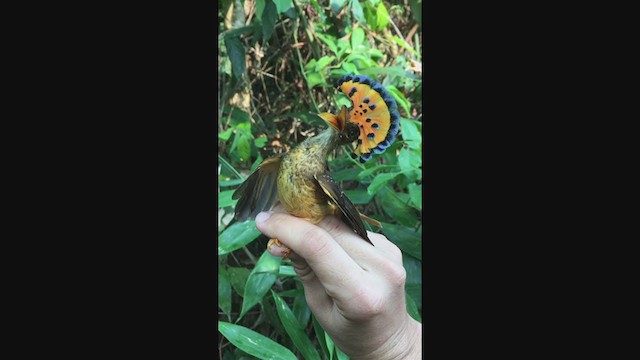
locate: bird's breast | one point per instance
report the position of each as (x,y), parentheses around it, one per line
(298,191)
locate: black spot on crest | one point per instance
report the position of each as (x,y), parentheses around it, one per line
(372,106)
(368,120)
(366,100)
(375,126)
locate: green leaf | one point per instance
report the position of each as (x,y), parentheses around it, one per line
(224,291)
(400,99)
(236,236)
(342,99)
(341,355)
(260,280)
(314,78)
(412,308)
(260,142)
(395,204)
(295,331)
(357,37)
(349,68)
(345,174)
(311,65)
(256,163)
(415,192)
(254,343)
(361,61)
(329,40)
(413,285)
(232,182)
(356,10)
(286,270)
(283,5)
(337,5)
(292,293)
(224,199)
(380,180)
(391,70)
(323,62)
(225,135)
(242,141)
(358,196)
(403,43)
(235,50)
(267,264)
(343,46)
(382,16)
(365,173)
(269,18)
(301,310)
(410,162)
(330,345)
(407,239)
(320,336)
(238,278)
(259,8)
(410,132)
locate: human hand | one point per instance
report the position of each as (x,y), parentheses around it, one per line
(355,290)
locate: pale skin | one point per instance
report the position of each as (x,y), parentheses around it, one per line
(355,290)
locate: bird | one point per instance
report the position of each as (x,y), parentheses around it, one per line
(300,180)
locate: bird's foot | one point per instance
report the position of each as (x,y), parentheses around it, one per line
(285,250)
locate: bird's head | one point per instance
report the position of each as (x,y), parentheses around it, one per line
(346,131)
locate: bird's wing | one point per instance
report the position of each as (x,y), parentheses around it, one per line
(259,191)
(339,199)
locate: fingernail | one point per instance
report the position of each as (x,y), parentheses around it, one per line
(263,216)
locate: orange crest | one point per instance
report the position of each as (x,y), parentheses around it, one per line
(374,111)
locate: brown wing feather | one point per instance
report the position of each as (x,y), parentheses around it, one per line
(337,197)
(259,191)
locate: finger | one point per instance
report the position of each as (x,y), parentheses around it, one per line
(315,293)
(361,251)
(330,263)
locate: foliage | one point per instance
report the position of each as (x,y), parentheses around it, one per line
(278,63)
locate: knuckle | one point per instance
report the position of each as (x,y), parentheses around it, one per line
(394,272)
(318,242)
(368,303)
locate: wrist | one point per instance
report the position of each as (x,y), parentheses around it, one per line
(405,344)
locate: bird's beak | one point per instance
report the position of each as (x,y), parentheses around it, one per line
(337,122)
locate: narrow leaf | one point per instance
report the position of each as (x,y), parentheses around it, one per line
(412,308)
(287,270)
(320,336)
(295,331)
(358,196)
(407,239)
(301,310)
(415,192)
(260,280)
(269,17)
(356,10)
(323,62)
(254,343)
(411,134)
(224,291)
(235,49)
(380,180)
(382,16)
(357,37)
(330,41)
(224,199)
(238,278)
(236,236)
(283,5)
